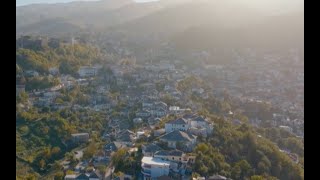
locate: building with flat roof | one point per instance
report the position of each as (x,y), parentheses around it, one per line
(80,137)
(154,167)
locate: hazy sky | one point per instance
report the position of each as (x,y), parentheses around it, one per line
(276,5)
(25,2)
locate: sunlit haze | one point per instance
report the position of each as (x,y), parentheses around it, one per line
(160,89)
(26,2)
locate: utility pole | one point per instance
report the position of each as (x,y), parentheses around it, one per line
(21,42)
(72,44)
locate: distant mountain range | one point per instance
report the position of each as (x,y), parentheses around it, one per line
(82,15)
(201,24)
(281,31)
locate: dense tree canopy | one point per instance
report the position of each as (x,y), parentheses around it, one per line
(67,58)
(239,153)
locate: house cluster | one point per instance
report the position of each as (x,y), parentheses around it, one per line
(45,98)
(123,140)
(179,135)
(118,140)
(138,92)
(254,74)
(213,177)
(160,66)
(39,42)
(80,138)
(152,108)
(174,164)
(190,123)
(294,157)
(87,168)
(20,88)
(295,126)
(179,139)
(87,71)
(94,175)
(168,155)
(157,162)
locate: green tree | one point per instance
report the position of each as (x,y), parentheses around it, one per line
(256,177)
(55,150)
(89,151)
(22,97)
(69,172)
(59,175)
(118,159)
(102,169)
(42,163)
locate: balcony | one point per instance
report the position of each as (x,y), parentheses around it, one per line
(144,165)
(146,172)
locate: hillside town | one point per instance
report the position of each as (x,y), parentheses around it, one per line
(153,102)
(159,90)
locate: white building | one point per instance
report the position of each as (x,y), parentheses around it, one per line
(51,94)
(174,156)
(287,128)
(180,139)
(174,108)
(202,123)
(158,113)
(20,89)
(32,73)
(147,104)
(86,71)
(191,123)
(154,167)
(177,124)
(140,133)
(137,120)
(143,113)
(166,66)
(70,177)
(198,90)
(53,70)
